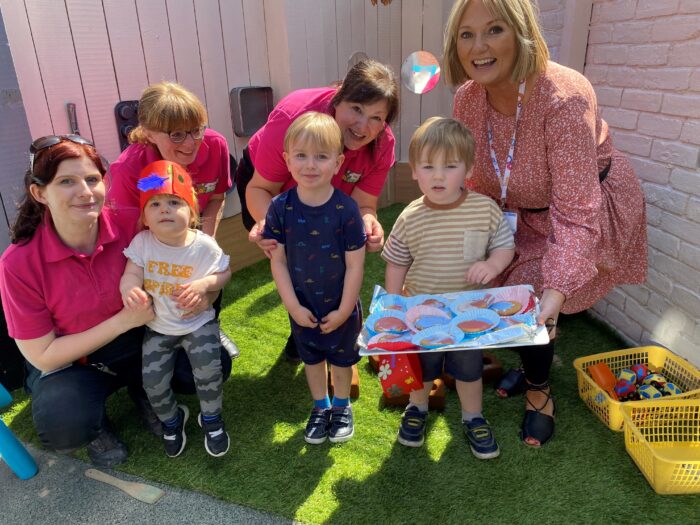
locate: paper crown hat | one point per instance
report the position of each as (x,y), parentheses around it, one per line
(163,177)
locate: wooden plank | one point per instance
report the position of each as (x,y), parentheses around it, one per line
(315,44)
(278,47)
(434,19)
(330,44)
(188,65)
(211,46)
(236,55)
(31,84)
(343,19)
(411,40)
(127,51)
(256,38)
(89,30)
(57,61)
(155,36)
(405,188)
(357,26)
(233,239)
(297,45)
(371,32)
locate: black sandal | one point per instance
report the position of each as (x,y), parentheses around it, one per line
(512,383)
(537,425)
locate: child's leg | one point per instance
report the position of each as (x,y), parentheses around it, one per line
(470,397)
(342,381)
(204,351)
(317,378)
(158,362)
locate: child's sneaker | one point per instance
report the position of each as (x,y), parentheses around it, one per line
(317,427)
(174,439)
(412,429)
(481,440)
(216,439)
(342,426)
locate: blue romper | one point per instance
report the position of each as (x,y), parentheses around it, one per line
(315,240)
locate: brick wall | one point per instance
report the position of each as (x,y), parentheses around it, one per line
(643,59)
(552,22)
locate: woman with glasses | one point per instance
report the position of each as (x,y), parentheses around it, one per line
(59,282)
(364,105)
(172,126)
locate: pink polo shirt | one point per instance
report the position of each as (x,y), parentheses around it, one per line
(46,285)
(210,171)
(362,168)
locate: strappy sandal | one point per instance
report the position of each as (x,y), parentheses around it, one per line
(512,383)
(537,425)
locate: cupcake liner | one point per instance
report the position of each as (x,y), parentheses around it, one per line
(421,317)
(390,342)
(391,321)
(513,300)
(435,301)
(469,300)
(388,302)
(437,337)
(476,322)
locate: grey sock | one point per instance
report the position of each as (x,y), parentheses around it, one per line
(468,416)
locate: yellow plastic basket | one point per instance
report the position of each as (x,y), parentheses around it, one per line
(675,369)
(663,438)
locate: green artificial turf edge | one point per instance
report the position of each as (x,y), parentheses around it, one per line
(583,475)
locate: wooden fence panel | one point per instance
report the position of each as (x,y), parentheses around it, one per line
(155,35)
(184,28)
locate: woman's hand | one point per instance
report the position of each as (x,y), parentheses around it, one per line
(255,235)
(550,305)
(332,321)
(374,231)
(303,317)
(132,317)
(135,298)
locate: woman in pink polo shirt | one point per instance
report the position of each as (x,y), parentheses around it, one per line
(59,282)
(172,126)
(364,105)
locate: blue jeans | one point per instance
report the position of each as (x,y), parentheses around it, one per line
(68,406)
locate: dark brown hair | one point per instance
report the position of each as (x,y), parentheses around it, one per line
(46,161)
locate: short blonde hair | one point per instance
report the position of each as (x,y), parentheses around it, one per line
(532,53)
(318,128)
(167,106)
(441,135)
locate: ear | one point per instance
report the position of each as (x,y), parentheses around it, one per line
(469,174)
(339,162)
(285,155)
(413,174)
(37,193)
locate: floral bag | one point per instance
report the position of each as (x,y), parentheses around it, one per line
(400,374)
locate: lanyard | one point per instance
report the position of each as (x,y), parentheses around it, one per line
(503,178)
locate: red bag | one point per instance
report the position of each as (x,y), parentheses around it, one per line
(400,374)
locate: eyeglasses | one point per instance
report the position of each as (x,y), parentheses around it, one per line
(178,137)
(51,140)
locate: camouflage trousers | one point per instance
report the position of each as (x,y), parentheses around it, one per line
(203,349)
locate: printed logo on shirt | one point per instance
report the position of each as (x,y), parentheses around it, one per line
(205,187)
(351,177)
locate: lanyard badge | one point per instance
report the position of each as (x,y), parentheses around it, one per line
(503,177)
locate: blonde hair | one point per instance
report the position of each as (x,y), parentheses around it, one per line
(441,135)
(318,128)
(531,54)
(167,106)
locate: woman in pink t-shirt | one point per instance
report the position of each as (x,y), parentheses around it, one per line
(364,105)
(172,126)
(546,156)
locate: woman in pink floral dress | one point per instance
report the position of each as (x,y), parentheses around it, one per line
(545,154)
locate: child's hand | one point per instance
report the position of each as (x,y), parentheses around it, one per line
(332,321)
(303,317)
(135,299)
(133,317)
(481,272)
(190,295)
(256,235)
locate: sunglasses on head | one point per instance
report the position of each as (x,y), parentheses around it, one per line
(51,140)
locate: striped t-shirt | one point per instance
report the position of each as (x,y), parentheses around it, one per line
(441,242)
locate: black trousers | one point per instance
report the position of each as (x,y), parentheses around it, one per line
(537,362)
(68,406)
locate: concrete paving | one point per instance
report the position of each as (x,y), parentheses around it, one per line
(61,493)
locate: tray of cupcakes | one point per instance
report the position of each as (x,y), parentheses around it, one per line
(489,318)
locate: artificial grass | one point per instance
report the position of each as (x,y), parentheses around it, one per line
(583,475)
